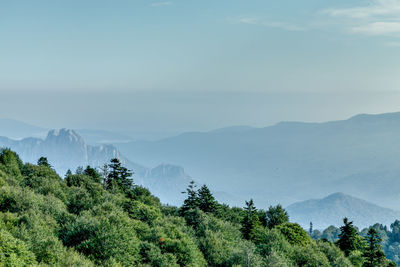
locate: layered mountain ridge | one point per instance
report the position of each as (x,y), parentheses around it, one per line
(290,161)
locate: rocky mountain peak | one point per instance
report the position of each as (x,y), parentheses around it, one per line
(66,136)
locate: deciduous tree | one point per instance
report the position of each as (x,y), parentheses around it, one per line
(276,215)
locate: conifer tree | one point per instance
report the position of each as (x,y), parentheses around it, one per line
(348,237)
(118,177)
(250,221)
(192,200)
(373,254)
(79,170)
(206,200)
(42,161)
(262,216)
(93,173)
(68,173)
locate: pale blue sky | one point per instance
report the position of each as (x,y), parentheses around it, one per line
(344,48)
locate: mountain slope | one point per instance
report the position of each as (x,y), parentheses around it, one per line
(287,162)
(332,209)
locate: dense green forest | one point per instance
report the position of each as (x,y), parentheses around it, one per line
(390,237)
(92,218)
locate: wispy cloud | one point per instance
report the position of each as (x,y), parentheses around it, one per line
(372,9)
(161,4)
(269,24)
(378,17)
(378,28)
(249,20)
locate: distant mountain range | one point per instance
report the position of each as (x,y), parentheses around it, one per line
(18,130)
(289,161)
(284,163)
(66,149)
(332,209)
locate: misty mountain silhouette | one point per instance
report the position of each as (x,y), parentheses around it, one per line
(332,209)
(289,161)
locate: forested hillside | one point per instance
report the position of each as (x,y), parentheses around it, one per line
(93,219)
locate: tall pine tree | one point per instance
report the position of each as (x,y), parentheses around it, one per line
(192,199)
(118,177)
(348,237)
(373,254)
(93,173)
(250,222)
(42,161)
(206,200)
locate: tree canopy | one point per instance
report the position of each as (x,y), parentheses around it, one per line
(93,219)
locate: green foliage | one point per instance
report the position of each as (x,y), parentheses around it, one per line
(331,234)
(174,237)
(142,194)
(395,234)
(151,254)
(233,215)
(262,217)
(42,161)
(373,254)
(84,220)
(44,180)
(334,255)
(309,256)
(92,173)
(206,200)
(348,238)
(276,216)
(191,201)
(270,241)
(37,230)
(388,244)
(294,234)
(221,242)
(140,211)
(10,163)
(102,233)
(169,210)
(85,192)
(118,177)
(356,258)
(250,222)
(14,252)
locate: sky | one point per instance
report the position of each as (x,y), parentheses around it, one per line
(183,65)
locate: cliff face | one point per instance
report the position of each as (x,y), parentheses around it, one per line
(64,149)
